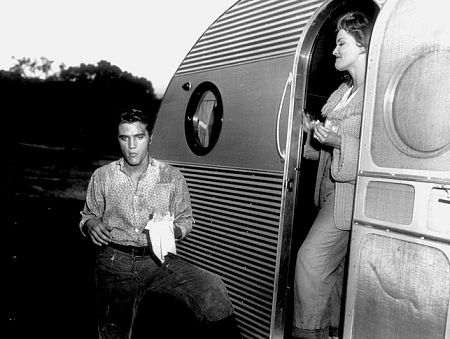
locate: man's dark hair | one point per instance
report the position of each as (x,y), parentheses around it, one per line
(133,115)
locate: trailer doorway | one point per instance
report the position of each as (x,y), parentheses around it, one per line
(316,79)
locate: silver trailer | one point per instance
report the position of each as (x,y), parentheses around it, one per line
(230,120)
(399,272)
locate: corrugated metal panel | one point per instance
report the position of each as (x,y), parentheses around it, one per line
(249,31)
(237,213)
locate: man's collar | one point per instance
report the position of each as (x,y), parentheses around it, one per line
(151,164)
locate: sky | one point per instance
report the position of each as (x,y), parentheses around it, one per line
(147,38)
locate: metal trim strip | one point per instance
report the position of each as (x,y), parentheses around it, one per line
(248,32)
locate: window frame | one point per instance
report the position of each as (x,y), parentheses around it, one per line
(190,130)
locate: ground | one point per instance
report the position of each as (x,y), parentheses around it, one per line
(49,277)
(49,280)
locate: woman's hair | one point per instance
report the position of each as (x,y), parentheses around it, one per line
(358,25)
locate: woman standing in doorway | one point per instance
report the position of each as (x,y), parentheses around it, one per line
(320,260)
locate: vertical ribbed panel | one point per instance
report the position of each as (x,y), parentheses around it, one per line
(249,31)
(237,214)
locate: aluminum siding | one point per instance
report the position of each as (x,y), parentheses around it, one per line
(251,30)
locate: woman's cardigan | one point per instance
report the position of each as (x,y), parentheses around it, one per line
(344,160)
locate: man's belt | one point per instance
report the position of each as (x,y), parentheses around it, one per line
(136,251)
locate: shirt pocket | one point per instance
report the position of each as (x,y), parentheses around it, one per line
(161,199)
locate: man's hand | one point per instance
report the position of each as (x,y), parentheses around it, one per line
(98,232)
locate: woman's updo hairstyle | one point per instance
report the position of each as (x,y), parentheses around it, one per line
(358,25)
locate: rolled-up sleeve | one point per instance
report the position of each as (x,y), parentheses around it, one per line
(94,205)
(182,208)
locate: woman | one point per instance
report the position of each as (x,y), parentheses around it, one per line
(320,260)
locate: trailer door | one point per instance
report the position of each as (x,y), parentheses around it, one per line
(399,274)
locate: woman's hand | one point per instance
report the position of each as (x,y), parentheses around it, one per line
(307,123)
(327,136)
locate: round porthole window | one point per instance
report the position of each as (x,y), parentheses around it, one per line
(416,104)
(204,116)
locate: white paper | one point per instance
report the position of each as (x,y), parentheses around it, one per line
(162,235)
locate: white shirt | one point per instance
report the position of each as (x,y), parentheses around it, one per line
(346,98)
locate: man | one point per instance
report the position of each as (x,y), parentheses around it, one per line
(125,201)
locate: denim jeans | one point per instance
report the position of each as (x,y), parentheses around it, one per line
(122,279)
(319,276)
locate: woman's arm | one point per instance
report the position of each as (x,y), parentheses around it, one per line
(345,159)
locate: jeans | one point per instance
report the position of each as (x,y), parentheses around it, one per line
(122,279)
(319,274)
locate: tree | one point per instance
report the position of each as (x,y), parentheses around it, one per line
(81,101)
(97,94)
(29,68)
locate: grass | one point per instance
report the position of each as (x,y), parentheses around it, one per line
(49,278)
